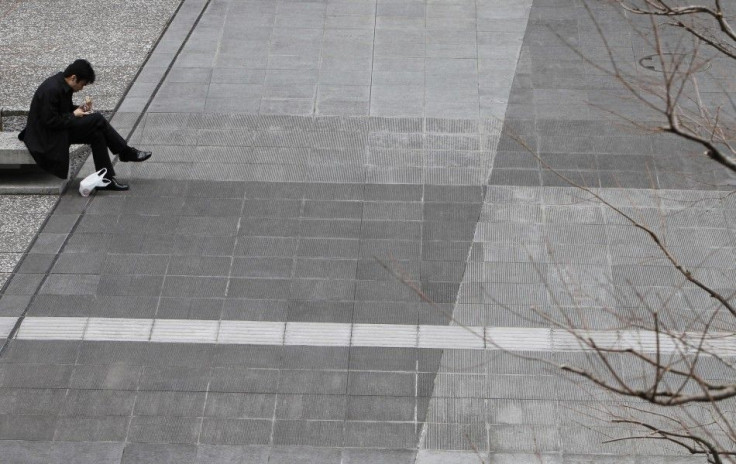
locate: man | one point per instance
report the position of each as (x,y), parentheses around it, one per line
(54,123)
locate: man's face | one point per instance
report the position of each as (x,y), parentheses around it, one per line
(75,84)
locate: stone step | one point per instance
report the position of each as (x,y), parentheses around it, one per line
(19,173)
(13,151)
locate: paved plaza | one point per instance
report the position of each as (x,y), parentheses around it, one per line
(239,303)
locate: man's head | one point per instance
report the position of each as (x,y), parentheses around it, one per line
(79,74)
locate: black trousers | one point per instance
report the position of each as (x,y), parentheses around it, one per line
(95,131)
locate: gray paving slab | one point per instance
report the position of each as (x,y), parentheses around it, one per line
(166,453)
(42,452)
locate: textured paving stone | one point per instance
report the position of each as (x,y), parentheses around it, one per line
(58,452)
(169,453)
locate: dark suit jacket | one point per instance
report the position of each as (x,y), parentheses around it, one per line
(49,118)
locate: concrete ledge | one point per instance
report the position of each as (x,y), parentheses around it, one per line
(13,151)
(30,180)
(19,174)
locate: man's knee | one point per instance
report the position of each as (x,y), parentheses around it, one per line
(90,123)
(97,120)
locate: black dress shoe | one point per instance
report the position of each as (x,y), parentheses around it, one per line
(134,154)
(115,185)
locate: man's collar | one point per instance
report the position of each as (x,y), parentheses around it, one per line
(65,86)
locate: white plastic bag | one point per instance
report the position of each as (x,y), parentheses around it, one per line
(89,183)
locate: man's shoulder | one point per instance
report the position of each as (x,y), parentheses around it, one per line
(52,83)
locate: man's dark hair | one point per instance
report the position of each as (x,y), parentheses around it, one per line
(82,69)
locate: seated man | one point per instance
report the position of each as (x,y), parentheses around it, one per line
(54,123)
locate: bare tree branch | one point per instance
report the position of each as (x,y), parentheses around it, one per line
(711,450)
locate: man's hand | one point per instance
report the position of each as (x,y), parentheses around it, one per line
(79,112)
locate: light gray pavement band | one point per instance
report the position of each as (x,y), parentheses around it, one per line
(326,334)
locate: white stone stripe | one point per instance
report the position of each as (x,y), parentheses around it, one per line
(52,328)
(520,339)
(251,333)
(322,334)
(184,331)
(439,336)
(104,329)
(6,326)
(344,335)
(385,335)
